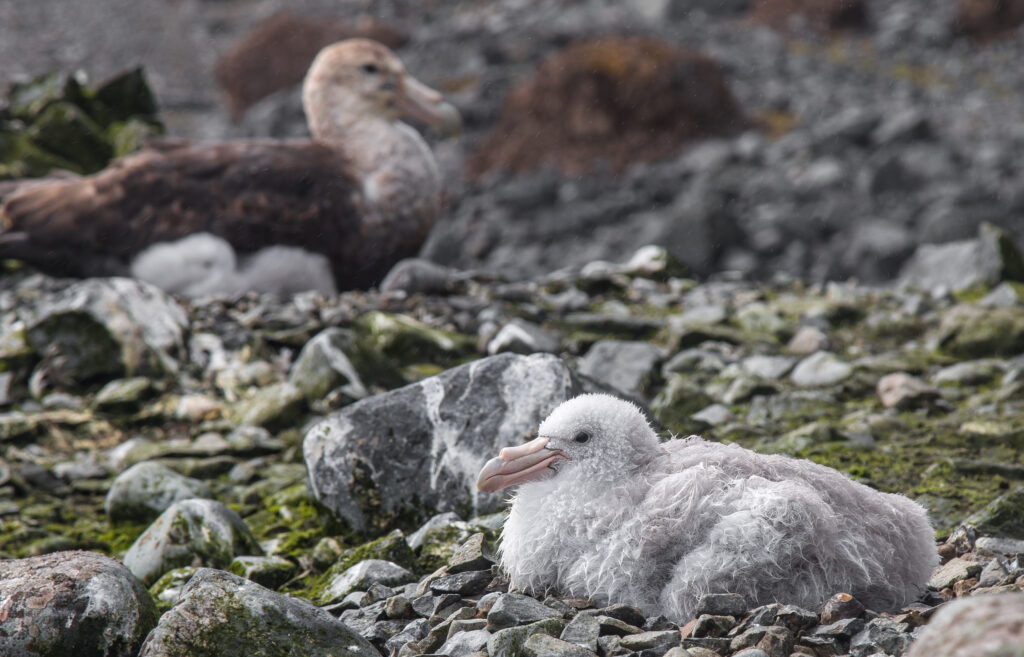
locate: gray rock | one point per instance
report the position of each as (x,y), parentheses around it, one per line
(903,391)
(109,328)
(72,603)
(721,604)
(988,259)
(542,645)
(657,640)
(123,392)
(714,415)
(1003,516)
(147,489)
(953,571)
(469,582)
(514,609)
(441,520)
(471,555)
(768,367)
(904,125)
(270,572)
(583,630)
(969,373)
(881,635)
(820,369)
(806,341)
(465,643)
(219,611)
(189,532)
(363,575)
(326,363)
(509,642)
(624,365)
(522,337)
(979,626)
(1003,295)
(713,625)
(428,441)
(419,276)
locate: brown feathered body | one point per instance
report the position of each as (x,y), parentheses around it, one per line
(364,192)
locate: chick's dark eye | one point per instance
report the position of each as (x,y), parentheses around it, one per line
(581,437)
(371,69)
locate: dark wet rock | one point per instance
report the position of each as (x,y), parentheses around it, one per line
(106,328)
(218,609)
(471,555)
(842,629)
(65,603)
(1003,516)
(448,425)
(621,612)
(513,609)
(712,625)
(569,112)
(881,634)
(188,532)
(145,490)
(839,607)
(468,582)
(988,259)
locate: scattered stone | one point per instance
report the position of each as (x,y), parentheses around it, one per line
(806,341)
(543,645)
(624,365)
(986,260)
(326,363)
(721,604)
(145,490)
(1004,516)
(768,367)
(513,609)
(839,607)
(72,603)
(471,555)
(469,582)
(121,393)
(271,572)
(583,630)
(188,532)
(363,575)
(821,369)
(419,276)
(903,391)
(522,337)
(218,609)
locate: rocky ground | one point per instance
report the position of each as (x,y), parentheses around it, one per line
(254,469)
(326,448)
(864,143)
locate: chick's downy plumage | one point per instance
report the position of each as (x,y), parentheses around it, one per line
(604,510)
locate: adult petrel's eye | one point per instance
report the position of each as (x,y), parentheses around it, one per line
(369,68)
(581,437)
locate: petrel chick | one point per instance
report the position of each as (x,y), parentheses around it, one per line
(604,510)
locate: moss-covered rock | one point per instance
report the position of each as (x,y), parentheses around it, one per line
(407,340)
(1003,516)
(970,331)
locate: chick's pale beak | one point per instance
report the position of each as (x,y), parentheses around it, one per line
(518,465)
(418,101)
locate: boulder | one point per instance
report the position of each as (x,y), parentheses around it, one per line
(417,450)
(220,613)
(72,603)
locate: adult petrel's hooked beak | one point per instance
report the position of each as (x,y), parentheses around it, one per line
(518,465)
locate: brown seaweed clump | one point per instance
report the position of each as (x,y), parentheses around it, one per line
(823,16)
(276,53)
(614,100)
(988,19)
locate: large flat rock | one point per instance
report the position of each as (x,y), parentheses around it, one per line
(417,450)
